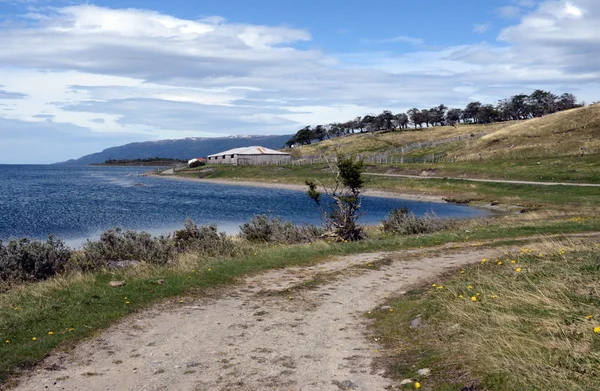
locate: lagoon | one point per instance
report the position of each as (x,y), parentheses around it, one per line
(76,203)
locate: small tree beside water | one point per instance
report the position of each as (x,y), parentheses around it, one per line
(341,214)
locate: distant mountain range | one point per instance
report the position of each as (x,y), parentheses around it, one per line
(183,149)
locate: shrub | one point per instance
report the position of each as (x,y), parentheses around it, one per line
(196,164)
(403,222)
(119,245)
(340,216)
(33,260)
(263,228)
(204,239)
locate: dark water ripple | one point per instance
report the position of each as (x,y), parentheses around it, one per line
(75,203)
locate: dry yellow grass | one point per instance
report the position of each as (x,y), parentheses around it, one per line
(558,134)
(531,327)
(370,143)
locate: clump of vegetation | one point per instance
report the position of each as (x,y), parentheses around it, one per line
(528,320)
(205,240)
(341,216)
(196,164)
(403,222)
(118,245)
(265,229)
(32,260)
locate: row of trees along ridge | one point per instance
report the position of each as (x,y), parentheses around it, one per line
(518,107)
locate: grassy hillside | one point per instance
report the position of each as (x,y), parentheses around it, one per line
(558,134)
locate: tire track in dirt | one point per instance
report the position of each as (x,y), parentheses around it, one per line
(269,332)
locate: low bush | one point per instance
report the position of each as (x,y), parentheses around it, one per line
(403,222)
(119,245)
(263,228)
(205,240)
(32,260)
(196,164)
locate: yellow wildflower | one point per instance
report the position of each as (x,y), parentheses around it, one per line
(589,317)
(513,261)
(484,260)
(474,298)
(34,339)
(50,332)
(126,302)
(596,330)
(433,284)
(440,287)
(7,341)
(462,272)
(494,297)
(499,262)
(518,270)
(470,287)
(460,296)
(417,385)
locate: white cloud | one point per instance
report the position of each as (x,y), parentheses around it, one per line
(146,75)
(481,28)
(399,38)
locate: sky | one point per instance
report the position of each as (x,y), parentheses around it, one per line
(77,77)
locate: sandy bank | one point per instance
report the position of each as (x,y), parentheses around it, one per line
(290,186)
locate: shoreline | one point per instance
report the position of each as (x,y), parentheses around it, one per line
(297,187)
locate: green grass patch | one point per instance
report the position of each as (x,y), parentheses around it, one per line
(573,169)
(79,306)
(526,195)
(525,324)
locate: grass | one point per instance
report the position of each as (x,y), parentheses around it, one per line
(559,134)
(524,195)
(79,306)
(529,328)
(572,169)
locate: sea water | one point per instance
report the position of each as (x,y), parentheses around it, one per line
(76,203)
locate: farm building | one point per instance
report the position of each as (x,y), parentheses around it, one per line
(250,156)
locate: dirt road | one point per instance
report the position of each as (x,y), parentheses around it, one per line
(292,329)
(487,180)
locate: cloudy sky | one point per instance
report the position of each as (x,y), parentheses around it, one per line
(77,77)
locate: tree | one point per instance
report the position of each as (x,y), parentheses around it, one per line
(453,116)
(542,103)
(305,135)
(341,215)
(486,114)
(417,117)
(567,101)
(385,120)
(319,132)
(470,112)
(367,123)
(401,120)
(435,116)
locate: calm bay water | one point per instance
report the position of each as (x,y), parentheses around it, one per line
(76,203)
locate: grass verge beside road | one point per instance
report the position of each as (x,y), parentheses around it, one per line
(37,318)
(528,196)
(526,321)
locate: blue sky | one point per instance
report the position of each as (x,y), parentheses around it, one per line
(77,77)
